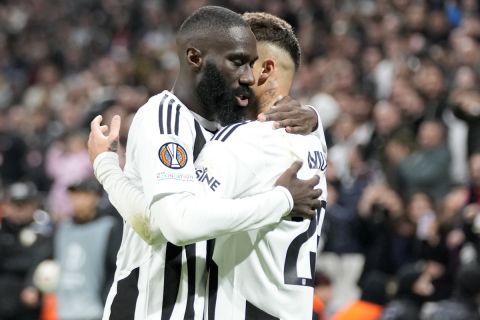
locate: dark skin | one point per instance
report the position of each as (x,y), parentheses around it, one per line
(234,56)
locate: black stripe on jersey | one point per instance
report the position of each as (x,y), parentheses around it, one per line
(169,116)
(254,313)
(212,270)
(199,141)
(234,127)
(172,277)
(212,289)
(191,269)
(227,131)
(168,124)
(177,120)
(219,133)
(123,305)
(160,115)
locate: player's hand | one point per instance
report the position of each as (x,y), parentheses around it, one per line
(288,113)
(98,141)
(304,194)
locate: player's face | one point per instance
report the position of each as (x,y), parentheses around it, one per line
(224,85)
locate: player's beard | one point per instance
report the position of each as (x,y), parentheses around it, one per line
(219,100)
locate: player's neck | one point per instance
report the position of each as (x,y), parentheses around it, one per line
(271,96)
(183,90)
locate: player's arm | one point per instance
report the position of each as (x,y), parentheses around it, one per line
(185,216)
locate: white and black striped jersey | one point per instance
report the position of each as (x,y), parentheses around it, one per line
(265,273)
(159,281)
(161,200)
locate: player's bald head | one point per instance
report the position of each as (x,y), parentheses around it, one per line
(208,26)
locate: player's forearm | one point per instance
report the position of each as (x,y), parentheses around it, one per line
(129,201)
(185,218)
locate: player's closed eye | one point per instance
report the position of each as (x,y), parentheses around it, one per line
(238,62)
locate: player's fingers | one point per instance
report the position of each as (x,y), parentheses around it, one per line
(262,117)
(316,204)
(307,212)
(276,115)
(114,128)
(296,129)
(289,122)
(104,129)
(316,193)
(95,125)
(313,181)
(283,107)
(295,167)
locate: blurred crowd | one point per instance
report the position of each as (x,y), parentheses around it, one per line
(395,82)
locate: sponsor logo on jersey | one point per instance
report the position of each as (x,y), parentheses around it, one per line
(202,176)
(174,176)
(317,160)
(173,155)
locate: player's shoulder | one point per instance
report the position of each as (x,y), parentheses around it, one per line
(166,102)
(246,131)
(165,112)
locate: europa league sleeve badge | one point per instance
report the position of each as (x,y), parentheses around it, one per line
(173,155)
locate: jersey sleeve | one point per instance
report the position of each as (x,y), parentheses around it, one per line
(172,205)
(162,152)
(184,218)
(319,132)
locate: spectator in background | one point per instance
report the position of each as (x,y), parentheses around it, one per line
(387,126)
(25,241)
(12,152)
(371,302)
(85,248)
(441,248)
(410,103)
(386,232)
(428,167)
(474,187)
(341,256)
(430,83)
(421,212)
(322,295)
(464,303)
(414,285)
(466,106)
(67,162)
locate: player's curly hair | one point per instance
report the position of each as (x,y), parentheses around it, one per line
(269,28)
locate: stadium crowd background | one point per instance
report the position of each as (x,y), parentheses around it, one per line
(396,83)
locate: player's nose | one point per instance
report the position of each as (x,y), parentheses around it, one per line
(247,78)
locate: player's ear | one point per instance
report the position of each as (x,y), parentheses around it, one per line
(194,58)
(268,67)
